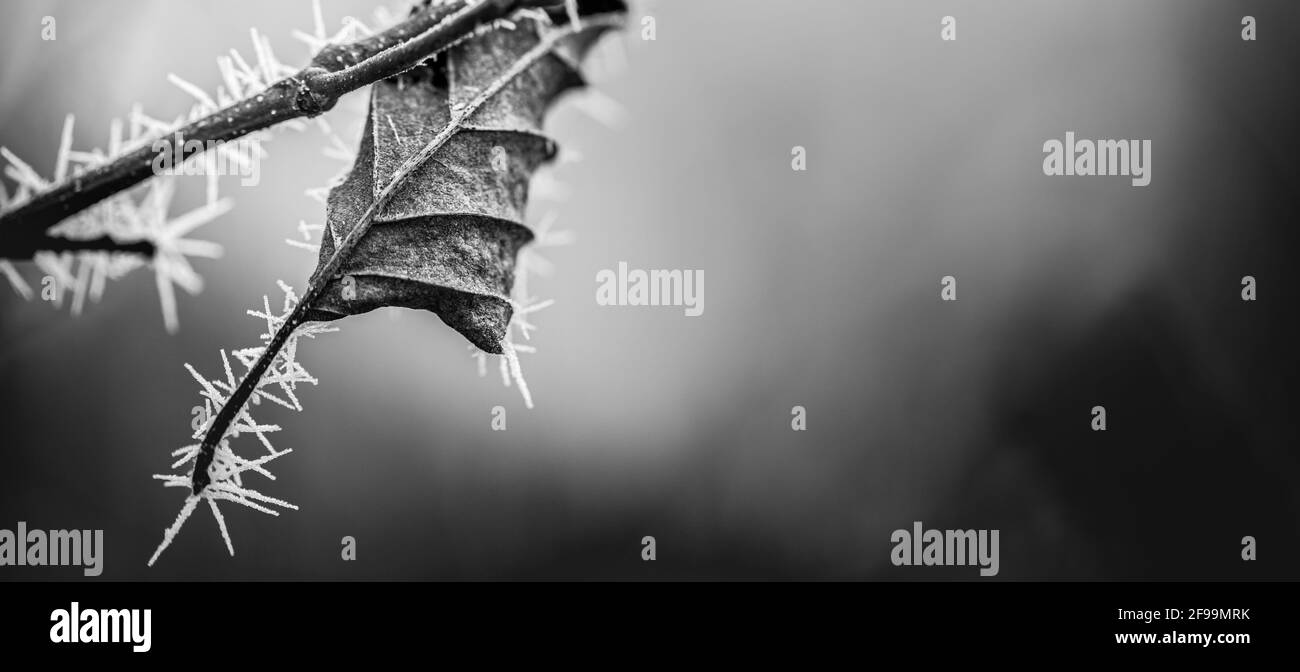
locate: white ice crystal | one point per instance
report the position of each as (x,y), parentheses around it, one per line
(523,305)
(278,385)
(141,214)
(530,262)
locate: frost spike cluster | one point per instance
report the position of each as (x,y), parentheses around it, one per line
(278,386)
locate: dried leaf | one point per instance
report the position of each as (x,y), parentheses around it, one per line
(448,238)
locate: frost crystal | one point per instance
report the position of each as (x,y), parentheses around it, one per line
(142,214)
(530,262)
(279,386)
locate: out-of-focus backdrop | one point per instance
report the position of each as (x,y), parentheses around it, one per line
(821,290)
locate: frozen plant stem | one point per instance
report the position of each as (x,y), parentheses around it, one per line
(330,270)
(333,72)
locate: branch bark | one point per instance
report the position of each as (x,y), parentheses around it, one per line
(333,72)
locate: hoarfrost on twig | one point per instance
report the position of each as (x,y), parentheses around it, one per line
(141,214)
(228,467)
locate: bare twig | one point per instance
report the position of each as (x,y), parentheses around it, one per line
(144,248)
(333,72)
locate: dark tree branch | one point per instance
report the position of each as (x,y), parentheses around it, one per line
(333,72)
(143,248)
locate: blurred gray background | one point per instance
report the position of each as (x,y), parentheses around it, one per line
(821,290)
